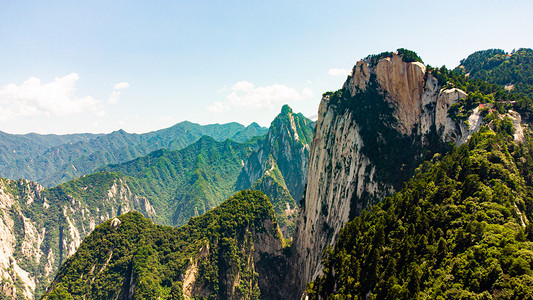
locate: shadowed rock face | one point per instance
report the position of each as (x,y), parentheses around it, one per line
(369,138)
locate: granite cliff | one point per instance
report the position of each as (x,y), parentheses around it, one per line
(389,116)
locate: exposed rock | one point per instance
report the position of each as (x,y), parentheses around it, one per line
(517,125)
(190,287)
(40,228)
(369,138)
(115,222)
(287,143)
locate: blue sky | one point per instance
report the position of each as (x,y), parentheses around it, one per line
(99,66)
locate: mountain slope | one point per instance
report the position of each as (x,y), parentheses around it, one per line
(63,162)
(41,227)
(460,228)
(15,147)
(188,182)
(225,253)
(513,71)
(391,114)
(287,143)
(273,185)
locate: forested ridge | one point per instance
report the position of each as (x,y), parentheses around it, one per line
(131,257)
(460,228)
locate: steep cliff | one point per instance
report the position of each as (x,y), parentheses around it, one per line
(231,252)
(278,167)
(460,228)
(390,115)
(40,227)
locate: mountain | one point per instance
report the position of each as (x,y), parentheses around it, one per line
(279,166)
(459,229)
(42,227)
(392,113)
(61,162)
(514,71)
(188,182)
(228,253)
(273,185)
(249,132)
(15,147)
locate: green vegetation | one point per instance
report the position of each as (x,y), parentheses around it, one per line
(407,56)
(480,91)
(273,185)
(458,229)
(278,165)
(51,160)
(144,261)
(514,70)
(188,182)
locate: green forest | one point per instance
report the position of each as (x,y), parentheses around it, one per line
(456,230)
(154,259)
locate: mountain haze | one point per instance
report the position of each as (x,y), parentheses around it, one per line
(61,162)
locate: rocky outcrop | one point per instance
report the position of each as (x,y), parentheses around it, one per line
(287,144)
(369,138)
(40,228)
(279,166)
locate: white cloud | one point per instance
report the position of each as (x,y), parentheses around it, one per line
(246,94)
(117,87)
(218,107)
(121,86)
(339,72)
(56,98)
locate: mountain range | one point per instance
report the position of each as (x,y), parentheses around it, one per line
(415,182)
(44,226)
(51,160)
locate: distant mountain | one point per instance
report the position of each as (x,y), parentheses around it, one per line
(62,158)
(188,182)
(249,132)
(15,147)
(231,252)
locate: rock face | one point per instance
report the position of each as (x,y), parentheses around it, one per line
(41,228)
(287,144)
(369,138)
(279,166)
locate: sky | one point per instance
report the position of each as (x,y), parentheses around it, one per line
(103,65)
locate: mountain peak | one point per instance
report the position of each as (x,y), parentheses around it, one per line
(286,109)
(254,125)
